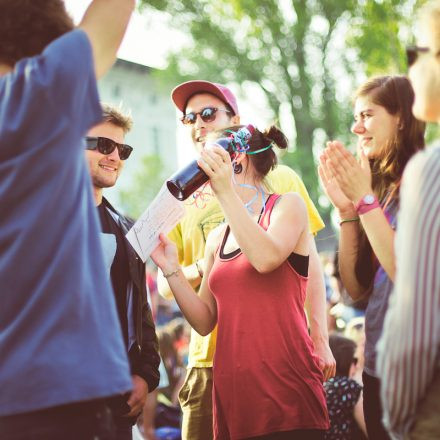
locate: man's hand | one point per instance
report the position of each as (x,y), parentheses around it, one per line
(327,362)
(137,398)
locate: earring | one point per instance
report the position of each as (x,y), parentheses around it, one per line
(238,168)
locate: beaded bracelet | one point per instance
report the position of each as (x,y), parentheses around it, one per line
(348,220)
(167,275)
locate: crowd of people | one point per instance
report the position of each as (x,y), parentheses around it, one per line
(81,355)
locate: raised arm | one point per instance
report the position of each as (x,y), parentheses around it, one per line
(105,23)
(354,179)
(349,222)
(288,229)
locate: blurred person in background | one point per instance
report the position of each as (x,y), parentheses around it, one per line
(355,330)
(162,409)
(344,394)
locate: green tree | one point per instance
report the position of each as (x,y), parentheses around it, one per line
(380,31)
(305,55)
(145,185)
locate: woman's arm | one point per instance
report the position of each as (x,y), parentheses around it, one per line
(287,232)
(354,179)
(381,237)
(349,233)
(288,229)
(200,310)
(348,252)
(190,272)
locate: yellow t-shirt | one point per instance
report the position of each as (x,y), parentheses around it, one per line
(203,214)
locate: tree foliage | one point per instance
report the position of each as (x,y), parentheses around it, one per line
(145,185)
(306,56)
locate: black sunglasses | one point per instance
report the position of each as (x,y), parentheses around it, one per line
(107,146)
(208,114)
(412,53)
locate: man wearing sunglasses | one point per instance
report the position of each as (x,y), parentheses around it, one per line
(106,153)
(207,107)
(61,348)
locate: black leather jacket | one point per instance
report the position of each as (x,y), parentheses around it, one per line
(144,353)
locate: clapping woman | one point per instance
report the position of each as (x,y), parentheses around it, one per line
(365,192)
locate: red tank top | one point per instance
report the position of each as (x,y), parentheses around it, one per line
(266,377)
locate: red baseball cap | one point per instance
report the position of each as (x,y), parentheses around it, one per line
(181,94)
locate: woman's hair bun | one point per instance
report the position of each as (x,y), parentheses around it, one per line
(274,134)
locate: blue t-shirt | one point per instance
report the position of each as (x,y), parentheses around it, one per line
(60,339)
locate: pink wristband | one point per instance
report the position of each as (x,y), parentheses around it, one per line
(366,204)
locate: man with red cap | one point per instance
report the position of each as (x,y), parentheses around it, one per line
(208,107)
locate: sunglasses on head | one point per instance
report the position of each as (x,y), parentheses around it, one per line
(208,114)
(107,146)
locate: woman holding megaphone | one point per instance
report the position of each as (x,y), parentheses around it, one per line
(267,381)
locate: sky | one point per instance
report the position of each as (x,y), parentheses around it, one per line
(147,39)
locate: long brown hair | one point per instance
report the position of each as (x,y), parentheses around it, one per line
(396,95)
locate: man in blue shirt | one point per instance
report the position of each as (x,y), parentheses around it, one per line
(61,346)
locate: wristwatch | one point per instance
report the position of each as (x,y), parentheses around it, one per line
(367,203)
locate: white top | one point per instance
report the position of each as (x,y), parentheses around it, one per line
(408,349)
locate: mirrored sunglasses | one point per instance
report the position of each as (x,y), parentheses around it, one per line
(107,146)
(208,114)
